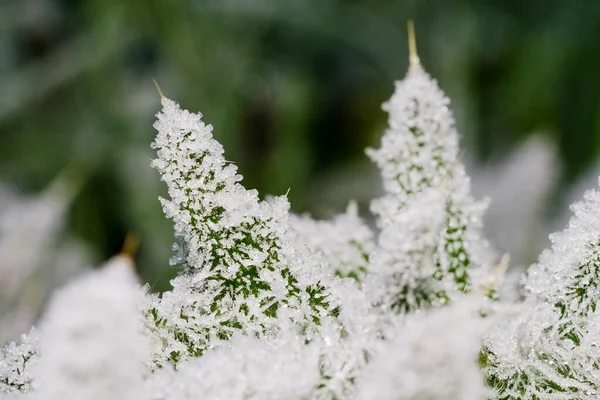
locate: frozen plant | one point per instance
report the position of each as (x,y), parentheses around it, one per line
(348,344)
(403,266)
(419,155)
(239,267)
(283,367)
(91,341)
(15,364)
(526,357)
(258,313)
(345,241)
(551,350)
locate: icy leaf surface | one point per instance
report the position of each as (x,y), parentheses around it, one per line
(419,153)
(345,241)
(239,266)
(550,350)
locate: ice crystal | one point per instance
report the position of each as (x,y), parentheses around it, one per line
(239,267)
(91,341)
(345,241)
(551,350)
(15,364)
(419,152)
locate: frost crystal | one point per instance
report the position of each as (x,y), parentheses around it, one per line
(345,242)
(551,350)
(239,267)
(91,341)
(419,152)
(15,364)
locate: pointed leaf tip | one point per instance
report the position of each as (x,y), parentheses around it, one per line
(130,245)
(162,96)
(412,44)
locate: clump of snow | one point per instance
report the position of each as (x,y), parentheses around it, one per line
(91,341)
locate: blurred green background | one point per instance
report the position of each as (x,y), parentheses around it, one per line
(293,89)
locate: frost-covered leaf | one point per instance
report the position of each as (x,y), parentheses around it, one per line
(419,153)
(345,241)
(239,265)
(403,265)
(551,349)
(245,368)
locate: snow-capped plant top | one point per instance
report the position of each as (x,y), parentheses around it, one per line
(239,265)
(419,152)
(420,147)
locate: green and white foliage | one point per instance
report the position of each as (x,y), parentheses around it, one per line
(345,352)
(419,152)
(527,358)
(16,361)
(345,241)
(239,268)
(91,338)
(403,264)
(284,367)
(551,350)
(258,313)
